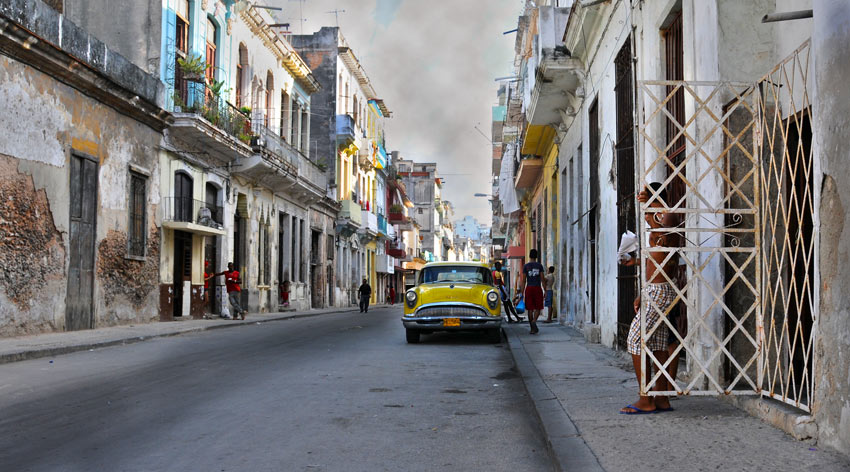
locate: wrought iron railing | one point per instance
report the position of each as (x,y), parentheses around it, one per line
(189,210)
(198,99)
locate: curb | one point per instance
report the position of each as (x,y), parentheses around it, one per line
(58,351)
(565,445)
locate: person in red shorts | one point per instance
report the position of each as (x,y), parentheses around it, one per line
(533,287)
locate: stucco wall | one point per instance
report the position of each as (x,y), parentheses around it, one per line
(50,120)
(831,128)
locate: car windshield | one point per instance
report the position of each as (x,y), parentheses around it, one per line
(469,274)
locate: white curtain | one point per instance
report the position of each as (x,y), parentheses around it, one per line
(507,192)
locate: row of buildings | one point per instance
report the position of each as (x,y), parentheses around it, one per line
(738,110)
(138,156)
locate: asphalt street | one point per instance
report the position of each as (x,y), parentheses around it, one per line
(337,392)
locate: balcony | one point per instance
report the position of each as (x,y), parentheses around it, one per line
(349,218)
(205,121)
(396,248)
(514,252)
(555,76)
(345,129)
(369,222)
(382,225)
(528,173)
(193,216)
(384,264)
(280,167)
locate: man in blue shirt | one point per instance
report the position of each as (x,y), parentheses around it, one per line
(533,288)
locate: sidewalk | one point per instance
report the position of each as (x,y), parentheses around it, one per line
(53,344)
(577,390)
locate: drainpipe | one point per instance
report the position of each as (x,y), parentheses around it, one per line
(786,16)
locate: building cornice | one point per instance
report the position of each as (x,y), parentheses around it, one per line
(94,80)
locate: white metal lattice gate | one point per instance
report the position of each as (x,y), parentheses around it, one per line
(735,162)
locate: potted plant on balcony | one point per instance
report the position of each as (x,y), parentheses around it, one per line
(396,208)
(193,68)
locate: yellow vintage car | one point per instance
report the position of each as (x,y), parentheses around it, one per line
(453,296)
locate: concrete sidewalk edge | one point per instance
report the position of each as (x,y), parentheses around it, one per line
(565,445)
(38,353)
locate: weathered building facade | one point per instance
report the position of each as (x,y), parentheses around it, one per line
(736,118)
(79,227)
(349,137)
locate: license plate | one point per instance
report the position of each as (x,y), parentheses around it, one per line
(451,322)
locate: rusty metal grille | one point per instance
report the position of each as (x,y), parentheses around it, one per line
(788,249)
(716,217)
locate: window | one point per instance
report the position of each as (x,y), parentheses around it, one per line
(269,98)
(211,42)
(674,70)
(284,109)
(294,132)
(182,33)
(241,68)
(137,237)
(356,110)
(181,41)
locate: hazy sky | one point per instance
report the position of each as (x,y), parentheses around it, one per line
(434,63)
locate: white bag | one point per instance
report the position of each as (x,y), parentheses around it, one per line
(628,244)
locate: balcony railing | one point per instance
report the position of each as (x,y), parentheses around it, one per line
(345,127)
(382,224)
(188,210)
(196,99)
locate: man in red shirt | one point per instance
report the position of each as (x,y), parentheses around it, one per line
(234,291)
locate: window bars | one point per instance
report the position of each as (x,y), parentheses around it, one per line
(746,224)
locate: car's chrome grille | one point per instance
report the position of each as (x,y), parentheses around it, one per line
(451,311)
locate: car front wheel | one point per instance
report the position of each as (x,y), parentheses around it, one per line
(494,335)
(412,336)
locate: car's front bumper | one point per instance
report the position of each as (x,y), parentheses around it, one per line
(432,317)
(437,324)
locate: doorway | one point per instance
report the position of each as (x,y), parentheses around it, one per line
(79,303)
(626,219)
(316,293)
(182,268)
(593,215)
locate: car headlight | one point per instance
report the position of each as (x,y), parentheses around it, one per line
(492,300)
(410,297)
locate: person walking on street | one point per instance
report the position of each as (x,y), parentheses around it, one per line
(499,281)
(550,294)
(365,292)
(392,295)
(533,285)
(234,291)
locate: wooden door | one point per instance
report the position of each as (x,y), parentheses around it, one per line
(79,303)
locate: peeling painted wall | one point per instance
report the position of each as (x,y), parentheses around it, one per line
(50,120)
(831,125)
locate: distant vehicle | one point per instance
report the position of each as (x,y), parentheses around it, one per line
(453,296)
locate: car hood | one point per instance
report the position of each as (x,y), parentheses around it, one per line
(453,292)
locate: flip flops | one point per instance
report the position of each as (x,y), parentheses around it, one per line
(637,411)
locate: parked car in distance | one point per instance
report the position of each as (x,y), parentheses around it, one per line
(453,296)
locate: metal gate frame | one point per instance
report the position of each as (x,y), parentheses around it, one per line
(776,102)
(706,123)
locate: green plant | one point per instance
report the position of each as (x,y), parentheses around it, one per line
(216,87)
(322,166)
(193,66)
(178,100)
(245,138)
(246,110)
(396,208)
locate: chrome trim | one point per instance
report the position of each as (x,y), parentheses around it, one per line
(439,304)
